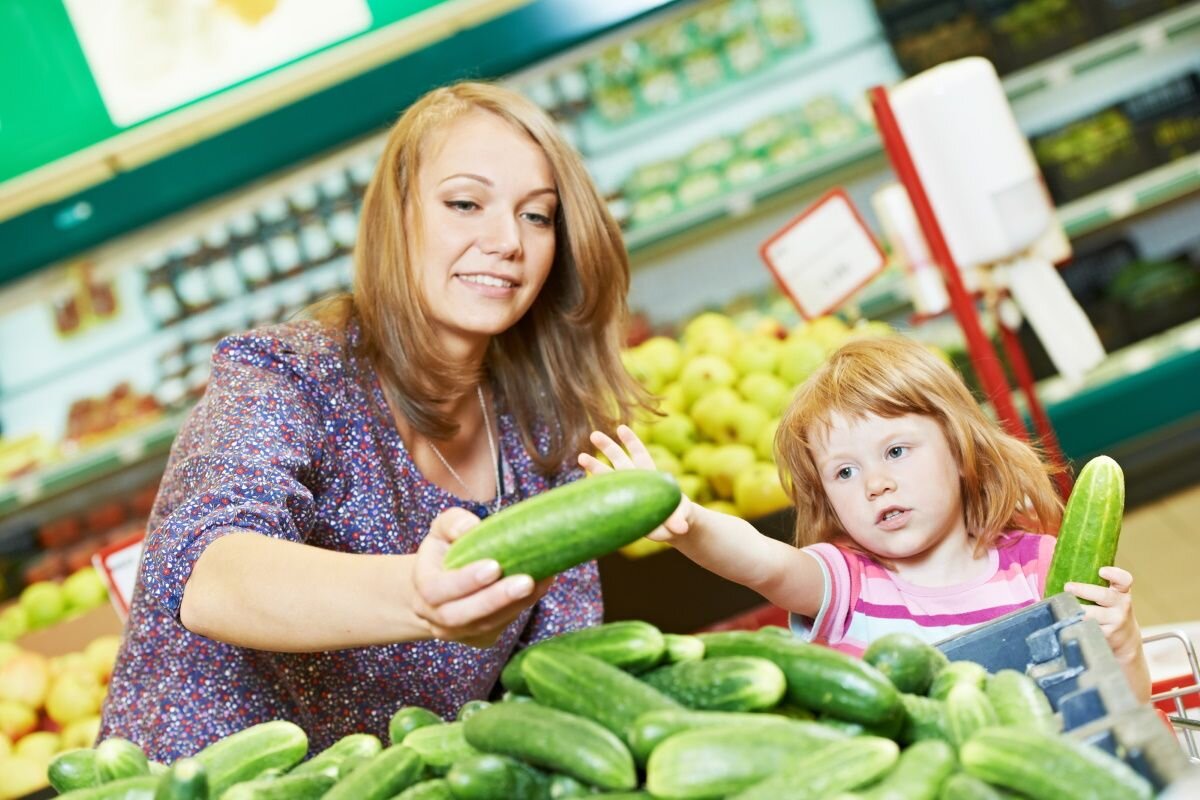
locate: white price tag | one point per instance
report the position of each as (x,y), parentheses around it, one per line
(118,565)
(823,256)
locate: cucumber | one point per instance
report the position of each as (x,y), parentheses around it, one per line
(835,767)
(918,775)
(962,786)
(818,678)
(74,769)
(1091,527)
(682,647)
(954,673)
(330,761)
(924,718)
(651,729)
(554,740)
(245,755)
(1049,767)
(439,746)
(118,758)
(584,685)
(470,707)
(908,662)
(185,780)
(1019,702)
(435,789)
(140,787)
(308,786)
(407,719)
(734,683)
(562,786)
(968,710)
(495,777)
(387,774)
(632,645)
(713,762)
(571,524)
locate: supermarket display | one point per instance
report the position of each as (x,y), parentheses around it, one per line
(800,720)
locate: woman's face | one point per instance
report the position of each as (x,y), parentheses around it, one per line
(488,203)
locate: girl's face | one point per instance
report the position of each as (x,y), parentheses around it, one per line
(894,484)
(488,203)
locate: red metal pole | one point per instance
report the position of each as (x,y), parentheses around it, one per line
(1049,440)
(979,348)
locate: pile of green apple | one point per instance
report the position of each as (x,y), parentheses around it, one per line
(46,603)
(48,706)
(722,391)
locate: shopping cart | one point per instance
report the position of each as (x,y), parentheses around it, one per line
(1177,698)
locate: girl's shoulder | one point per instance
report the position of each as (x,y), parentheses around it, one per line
(1023,548)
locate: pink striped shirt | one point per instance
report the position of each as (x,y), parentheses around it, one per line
(864,601)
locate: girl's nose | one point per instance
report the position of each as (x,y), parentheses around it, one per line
(878,483)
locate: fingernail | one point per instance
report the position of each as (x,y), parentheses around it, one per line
(487,571)
(520,586)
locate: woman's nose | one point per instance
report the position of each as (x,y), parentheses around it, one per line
(502,237)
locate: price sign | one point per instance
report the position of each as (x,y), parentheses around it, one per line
(118,565)
(825,255)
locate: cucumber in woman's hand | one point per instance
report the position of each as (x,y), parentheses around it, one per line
(569,525)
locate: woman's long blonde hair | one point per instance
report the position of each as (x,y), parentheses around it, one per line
(558,369)
(1004,484)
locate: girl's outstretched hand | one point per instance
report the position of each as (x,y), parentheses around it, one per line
(1113,612)
(633,455)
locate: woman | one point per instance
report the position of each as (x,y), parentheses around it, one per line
(292,567)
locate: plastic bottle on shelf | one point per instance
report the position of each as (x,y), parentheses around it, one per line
(190,276)
(223,275)
(162,301)
(249,254)
(280,232)
(315,242)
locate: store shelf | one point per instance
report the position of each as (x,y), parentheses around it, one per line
(96,462)
(1131,197)
(1182,25)
(744,200)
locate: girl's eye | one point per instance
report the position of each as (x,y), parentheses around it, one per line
(896,450)
(462,205)
(845,473)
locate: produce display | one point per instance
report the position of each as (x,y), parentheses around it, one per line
(46,603)
(49,707)
(597,715)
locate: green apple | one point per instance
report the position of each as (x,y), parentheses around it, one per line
(14,623)
(756,354)
(695,458)
(638,366)
(694,487)
(757,491)
(664,459)
(706,324)
(675,431)
(673,398)
(799,358)
(44,603)
(765,446)
(716,412)
(727,462)
(702,374)
(768,392)
(829,331)
(663,355)
(85,589)
(748,422)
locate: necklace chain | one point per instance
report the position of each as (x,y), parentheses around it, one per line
(487,426)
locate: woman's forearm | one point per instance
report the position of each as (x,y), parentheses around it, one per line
(256,591)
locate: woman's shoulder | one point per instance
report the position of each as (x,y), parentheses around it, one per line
(306,346)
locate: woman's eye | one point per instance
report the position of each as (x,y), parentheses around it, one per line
(541,220)
(462,205)
(895,451)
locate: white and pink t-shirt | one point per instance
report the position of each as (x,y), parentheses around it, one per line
(863,600)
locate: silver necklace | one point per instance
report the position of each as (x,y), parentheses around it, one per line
(487,426)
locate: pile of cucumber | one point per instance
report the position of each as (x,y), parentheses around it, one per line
(625,711)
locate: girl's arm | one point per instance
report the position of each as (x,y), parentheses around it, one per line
(273,594)
(1114,613)
(726,545)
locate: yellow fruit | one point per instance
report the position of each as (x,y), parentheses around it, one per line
(73,698)
(20,776)
(38,746)
(5,745)
(758,492)
(81,733)
(16,719)
(25,678)
(101,653)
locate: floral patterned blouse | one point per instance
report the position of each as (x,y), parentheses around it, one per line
(286,443)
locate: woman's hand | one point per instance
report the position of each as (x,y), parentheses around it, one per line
(635,456)
(1113,612)
(471,605)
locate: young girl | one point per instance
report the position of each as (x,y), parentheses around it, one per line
(914,511)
